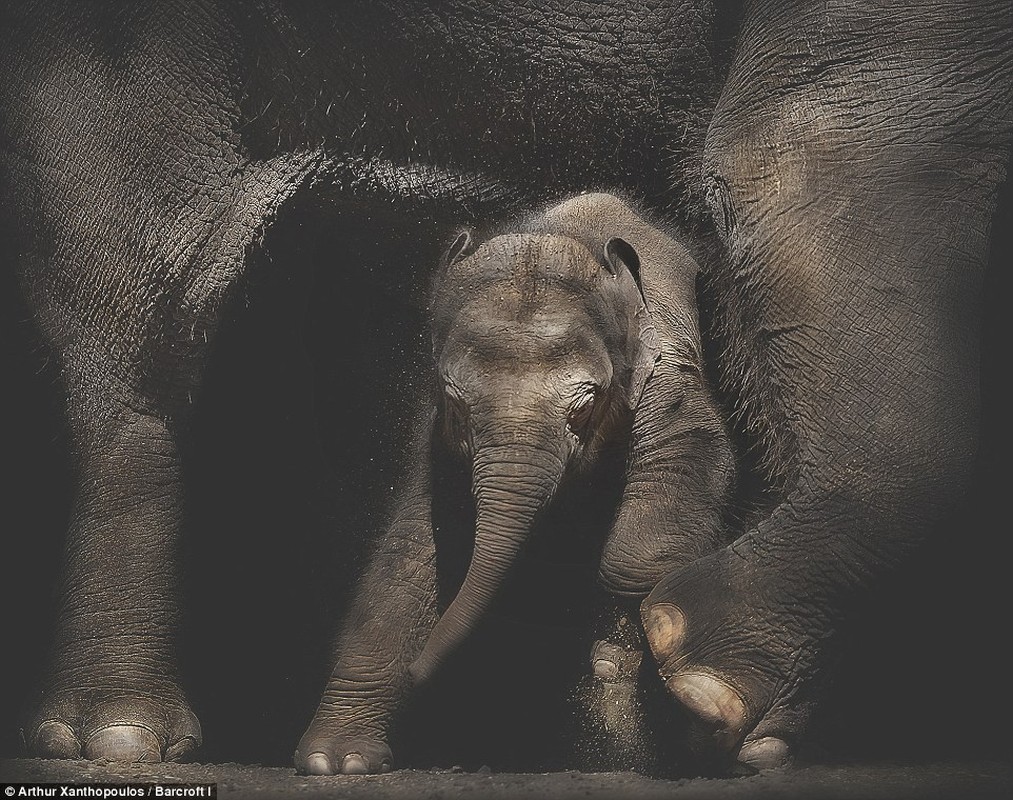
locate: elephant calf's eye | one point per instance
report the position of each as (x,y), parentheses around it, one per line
(579,419)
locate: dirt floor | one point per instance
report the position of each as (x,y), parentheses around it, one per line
(844,781)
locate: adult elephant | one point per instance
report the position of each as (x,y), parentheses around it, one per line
(849,157)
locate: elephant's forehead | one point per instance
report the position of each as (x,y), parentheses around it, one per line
(557,319)
(489,332)
(528,260)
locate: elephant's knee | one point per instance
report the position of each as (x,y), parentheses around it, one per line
(627,571)
(653,536)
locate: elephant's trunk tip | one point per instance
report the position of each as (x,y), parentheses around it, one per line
(476,592)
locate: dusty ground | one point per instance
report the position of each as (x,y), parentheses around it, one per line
(888,781)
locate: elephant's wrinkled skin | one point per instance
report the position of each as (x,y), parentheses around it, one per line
(552,339)
(848,159)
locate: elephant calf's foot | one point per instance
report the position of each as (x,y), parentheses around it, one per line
(613,663)
(114,726)
(742,666)
(613,700)
(331,747)
(615,734)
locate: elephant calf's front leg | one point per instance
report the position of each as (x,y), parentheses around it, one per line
(679,482)
(393,614)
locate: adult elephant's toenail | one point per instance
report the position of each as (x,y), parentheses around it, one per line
(766,753)
(354,764)
(179,750)
(665,626)
(55,739)
(318,764)
(713,702)
(130,743)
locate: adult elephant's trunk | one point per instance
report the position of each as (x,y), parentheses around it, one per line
(510,485)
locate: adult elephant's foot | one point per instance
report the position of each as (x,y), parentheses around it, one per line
(344,738)
(113,725)
(739,656)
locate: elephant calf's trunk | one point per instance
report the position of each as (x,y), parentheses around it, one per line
(506,507)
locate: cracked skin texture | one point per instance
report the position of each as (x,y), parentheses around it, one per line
(850,180)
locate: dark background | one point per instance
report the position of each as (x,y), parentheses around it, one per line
(294,448)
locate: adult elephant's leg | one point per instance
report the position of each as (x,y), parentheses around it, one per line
(131,341)
(392,615)
(131,206)
(113,689)
(853,163)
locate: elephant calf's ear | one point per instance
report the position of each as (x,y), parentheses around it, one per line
(620,255)
(646,349)
(623,263)
(461,247)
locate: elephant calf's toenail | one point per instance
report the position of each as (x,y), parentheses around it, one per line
(318,764)
(606,670)
(665,626)
(130,743)
(354,764)
(766,753)
(714,702)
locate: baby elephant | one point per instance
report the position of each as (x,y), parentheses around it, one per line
(563,337)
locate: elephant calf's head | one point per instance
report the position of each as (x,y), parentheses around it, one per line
(542,347)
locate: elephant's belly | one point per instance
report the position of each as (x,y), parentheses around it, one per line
(537,93)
